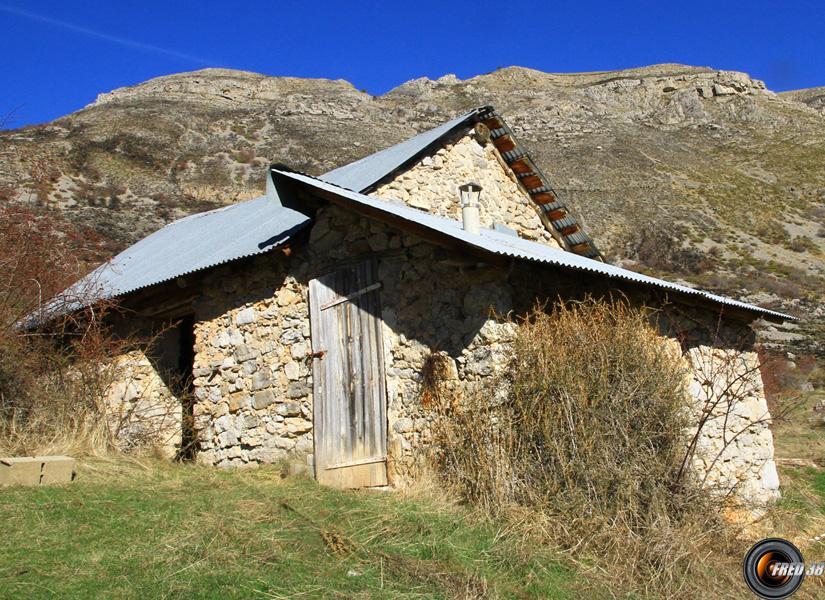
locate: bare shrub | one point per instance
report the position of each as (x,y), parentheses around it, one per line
(52,379)
(589,439)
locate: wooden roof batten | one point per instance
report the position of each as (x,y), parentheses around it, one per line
(555,215)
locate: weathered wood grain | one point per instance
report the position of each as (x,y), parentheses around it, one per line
(349,388)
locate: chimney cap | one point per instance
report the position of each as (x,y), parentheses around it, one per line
(470,186)
(469,194)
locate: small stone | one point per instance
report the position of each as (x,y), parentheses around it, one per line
(298,351)
(288,409)
(251,440)
(297,389)
(263,399)
(286,297)
(227,438)
(260,381)
(290,336)
(238,402)
(298,426)
(403,425)
(245,316)
(223,423)
(304,445)
(244,352)
(292,371)
(420,201)
(249,367)
(284,443)
(235,337)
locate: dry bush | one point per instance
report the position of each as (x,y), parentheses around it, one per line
(586,446)
(52,384)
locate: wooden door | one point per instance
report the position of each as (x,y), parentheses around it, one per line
(349,398)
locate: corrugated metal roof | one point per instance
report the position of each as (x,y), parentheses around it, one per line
(502,244)
(361,174)
(194,243)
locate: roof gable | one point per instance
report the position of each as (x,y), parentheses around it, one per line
(431,184)
(362,175)
(366,172)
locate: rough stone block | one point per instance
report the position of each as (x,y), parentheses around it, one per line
(263,399)
(292,371)
(297,389)
(260,381)
(289,409)
(244,352)
(20,471)
(245,316)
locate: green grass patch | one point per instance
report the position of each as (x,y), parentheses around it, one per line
(181,531)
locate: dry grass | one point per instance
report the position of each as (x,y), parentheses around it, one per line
(584,453)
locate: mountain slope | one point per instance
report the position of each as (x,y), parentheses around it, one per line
(688,172)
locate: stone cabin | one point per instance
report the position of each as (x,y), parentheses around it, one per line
(294,327)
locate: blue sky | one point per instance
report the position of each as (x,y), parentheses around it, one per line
(57,56)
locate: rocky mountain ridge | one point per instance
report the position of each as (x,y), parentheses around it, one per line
(697,174)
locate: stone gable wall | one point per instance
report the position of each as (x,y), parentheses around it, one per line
(253,378)
(432,186)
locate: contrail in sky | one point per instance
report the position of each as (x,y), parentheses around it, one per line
(106,37)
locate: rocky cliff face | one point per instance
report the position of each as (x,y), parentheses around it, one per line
(692,173)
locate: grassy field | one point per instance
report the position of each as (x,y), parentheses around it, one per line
(146,529)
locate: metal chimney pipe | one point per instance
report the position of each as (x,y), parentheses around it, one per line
(469,195)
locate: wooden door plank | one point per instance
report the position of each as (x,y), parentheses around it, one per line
(349,387)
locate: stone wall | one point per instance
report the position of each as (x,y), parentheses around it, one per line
(432,186)
(734,450)
(143,411)
(252,382)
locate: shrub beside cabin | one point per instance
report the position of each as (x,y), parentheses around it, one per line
(295,326)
